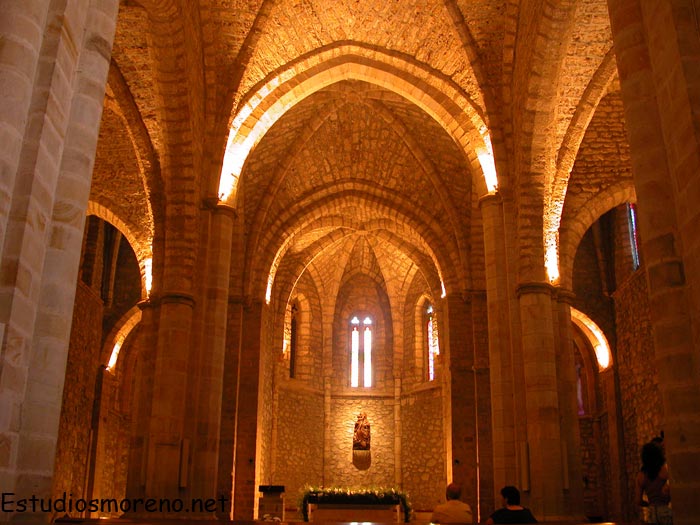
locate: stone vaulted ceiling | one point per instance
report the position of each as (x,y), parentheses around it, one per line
(353,156)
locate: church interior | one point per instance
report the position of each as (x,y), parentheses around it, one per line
(232,231)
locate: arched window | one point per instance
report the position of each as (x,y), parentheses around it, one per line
(634,237)
(433,346)
(579,390)
(361,352)
(293,340)
(290,343)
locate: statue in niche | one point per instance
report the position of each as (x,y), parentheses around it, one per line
(361,437)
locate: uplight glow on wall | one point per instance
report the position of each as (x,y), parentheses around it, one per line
(551,261)
(240,143)
(114,356)
(148,274)
(128,322)
(595,336)
(488,165)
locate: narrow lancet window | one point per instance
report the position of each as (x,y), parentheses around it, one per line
(361,352)
(433,344)
(634,237)
(293,343)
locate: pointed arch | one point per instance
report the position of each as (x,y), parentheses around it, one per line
(438,96)
(142,250)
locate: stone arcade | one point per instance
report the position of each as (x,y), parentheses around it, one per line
(229,227)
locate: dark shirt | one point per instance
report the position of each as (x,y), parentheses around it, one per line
(505,515)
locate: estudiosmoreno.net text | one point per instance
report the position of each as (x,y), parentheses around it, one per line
(68,504)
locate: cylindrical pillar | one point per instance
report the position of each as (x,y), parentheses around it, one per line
(246,438)
(568,406)
(544,450)
(459,390)
(661,103)
(505,470)
(168,453)
(40,257)
(210,369)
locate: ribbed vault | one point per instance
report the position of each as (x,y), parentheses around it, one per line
(361,160)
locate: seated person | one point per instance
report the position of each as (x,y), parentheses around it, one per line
(453,510)
(512,511)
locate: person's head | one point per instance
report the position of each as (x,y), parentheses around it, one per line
(659,442)
(454,491)
(652,459)
(511,495)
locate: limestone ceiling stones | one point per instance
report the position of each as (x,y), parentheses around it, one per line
(117,182)
(590,41)
(391,264)
(354,171)
(224,27)
(467,41)
(420,29)
(604,157)
(302,241)
(486,22)
(354,147)
(132,53)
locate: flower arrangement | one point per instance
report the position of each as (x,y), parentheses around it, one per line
(376,496)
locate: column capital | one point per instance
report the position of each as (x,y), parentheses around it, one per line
(177,298)
(145,304)
(564,295)
(535,288)
(490,199)
(242,300)
(214,205)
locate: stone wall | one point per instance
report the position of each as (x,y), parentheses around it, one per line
(590,467)
(591,293)
(74,443)
(112,457)
(642,408)
(339,468)
(299,441)
(423,448)
(613,294)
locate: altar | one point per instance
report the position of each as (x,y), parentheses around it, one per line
(355,505)
(346,512)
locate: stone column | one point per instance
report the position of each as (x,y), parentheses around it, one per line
(143,393)
(246,438)
(398,472)
(167,452)
(41,251)
(568,406)
(229,404)
(205,433)
(22,31)
(656,45)
(506,468)
(541,402)
(460,393)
